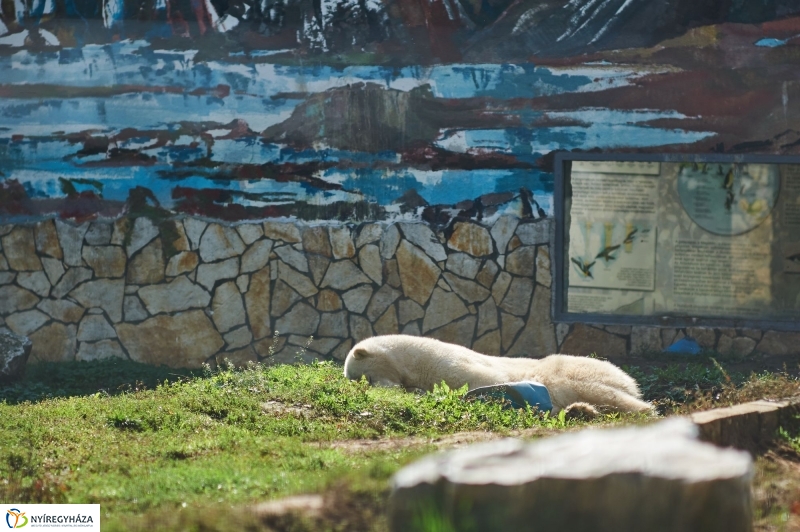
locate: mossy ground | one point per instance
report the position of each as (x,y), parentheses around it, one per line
(177,450)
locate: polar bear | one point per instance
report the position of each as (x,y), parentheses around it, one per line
(580,385)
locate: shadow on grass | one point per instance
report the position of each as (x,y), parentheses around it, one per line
(49,380)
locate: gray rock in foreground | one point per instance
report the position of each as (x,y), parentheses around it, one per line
(14,353)
(658,478)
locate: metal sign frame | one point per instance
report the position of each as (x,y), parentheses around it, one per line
(562,174)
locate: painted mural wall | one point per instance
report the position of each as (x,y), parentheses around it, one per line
(309,112)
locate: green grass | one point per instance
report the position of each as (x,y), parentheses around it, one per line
(209,439)
(178,450)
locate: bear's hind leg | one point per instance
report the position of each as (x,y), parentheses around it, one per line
(583,411)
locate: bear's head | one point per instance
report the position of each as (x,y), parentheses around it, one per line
(370,360)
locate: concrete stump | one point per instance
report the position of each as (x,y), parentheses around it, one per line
(658,478)
(14,353)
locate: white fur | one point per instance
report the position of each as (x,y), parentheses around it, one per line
(418,363)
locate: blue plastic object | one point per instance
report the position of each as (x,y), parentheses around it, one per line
(685,346)
(518,394)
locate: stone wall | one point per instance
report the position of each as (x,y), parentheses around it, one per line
(184,292)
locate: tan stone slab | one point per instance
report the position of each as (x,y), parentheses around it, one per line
(745,426)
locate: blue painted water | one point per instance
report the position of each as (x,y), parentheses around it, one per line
(163,90)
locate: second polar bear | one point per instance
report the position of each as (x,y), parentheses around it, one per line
(583,384)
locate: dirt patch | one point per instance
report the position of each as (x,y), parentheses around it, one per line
(776,489)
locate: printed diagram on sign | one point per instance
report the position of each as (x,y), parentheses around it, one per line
(791,257)
(728,199)
(612,254)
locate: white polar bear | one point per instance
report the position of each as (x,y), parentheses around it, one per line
(576,384)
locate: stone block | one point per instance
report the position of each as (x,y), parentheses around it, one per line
(102,350)
(585,340)
(368,233)
(141,234)
(500,286)
(421,236)
(20,250)
(286,232)
(106,261)
(62,310)
(444,308)
(562,330)
(95,327)
(360,328)
(471,239)
(36,282)
(387,323)
(183,262)
(106,294)
(299,282)
(147,266)
(487,317)
(487,274)
(328,301)
(518,297)
(412,329)
(391,273)
(98,234)
(315,240)
(409,310)
(209,274)
(220,242)
(257,303)
(71,278)
(340,353)
(502,231)
(179,295)
(418,273)
(463,265)
(194,230)
(133,310)
(509,328)
(47,239)
(319,267)
(292,257)
(54,343)
(779,343)
(543,275)
(343,275)
(227,308)
(521,261)
(745,426)
(534,233)
(488,344)
(342,245)
(26,322)
(14,353)
(301,319)
(54,269)
(256,256)
(369,259)
(658,478)
(389,242)
(380,301)
(704,336)
(185,340)
(459,332)
(16,299)
(469,291)
(333,324)
(238,338)
(645,340)
(249,233)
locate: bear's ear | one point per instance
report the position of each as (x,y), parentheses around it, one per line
(359,354)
